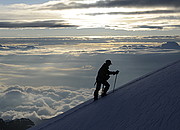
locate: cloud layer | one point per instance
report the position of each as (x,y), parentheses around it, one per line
(35,24)
(138,3)
(110,14)
(139,12)
(86,45)
(39,103)
(113,3)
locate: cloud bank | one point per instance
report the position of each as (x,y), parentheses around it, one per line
(22,47)
(36,24)
(112,4)
(138,3)
(37,103)
(86,45)
(168,11)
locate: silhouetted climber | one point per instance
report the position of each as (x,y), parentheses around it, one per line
(102,77)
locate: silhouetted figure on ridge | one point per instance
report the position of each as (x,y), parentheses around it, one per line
(102,77)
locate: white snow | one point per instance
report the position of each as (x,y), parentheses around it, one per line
(151,102)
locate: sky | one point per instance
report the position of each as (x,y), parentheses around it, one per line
(38,18)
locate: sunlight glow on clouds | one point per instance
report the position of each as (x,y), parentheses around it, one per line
(86,45)
(111,14)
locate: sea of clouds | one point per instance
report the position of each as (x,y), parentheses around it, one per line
(92,45)
(38,103)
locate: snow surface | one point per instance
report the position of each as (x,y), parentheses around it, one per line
(151,102)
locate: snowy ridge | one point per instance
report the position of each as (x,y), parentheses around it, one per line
(61,116)
(149,102)
(145,76)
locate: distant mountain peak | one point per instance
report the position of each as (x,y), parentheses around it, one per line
(170,45)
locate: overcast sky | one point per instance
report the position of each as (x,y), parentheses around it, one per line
(83,17)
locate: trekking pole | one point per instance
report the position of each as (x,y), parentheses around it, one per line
(115,82)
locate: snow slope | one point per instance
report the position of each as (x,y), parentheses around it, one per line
(151,102)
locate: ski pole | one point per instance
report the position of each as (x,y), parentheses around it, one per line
(115,82)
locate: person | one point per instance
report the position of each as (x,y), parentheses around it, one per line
(102,77)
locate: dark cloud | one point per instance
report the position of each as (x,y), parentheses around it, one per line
(36,24)
(23,48)
(150,27)
(138,3)
(138,12)
(115,3)
(168,17)
(176,26)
